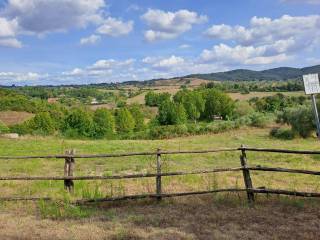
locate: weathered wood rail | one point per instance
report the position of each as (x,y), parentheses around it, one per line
(69,178)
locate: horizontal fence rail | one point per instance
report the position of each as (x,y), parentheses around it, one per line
(70,156)
(120,154)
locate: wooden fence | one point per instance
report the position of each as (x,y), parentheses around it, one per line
(71,156)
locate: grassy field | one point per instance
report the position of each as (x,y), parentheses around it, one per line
(208,217)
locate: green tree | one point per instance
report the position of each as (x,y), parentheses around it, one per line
(138,116)
(180,115)
(79,123)
(104,123)
(42,123)
(171,113)
(217,103)
(124,121)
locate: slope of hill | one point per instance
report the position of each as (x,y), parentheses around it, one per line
(275,74)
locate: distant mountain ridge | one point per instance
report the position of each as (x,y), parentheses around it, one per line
(274,74)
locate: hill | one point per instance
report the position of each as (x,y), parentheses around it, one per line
(275,74)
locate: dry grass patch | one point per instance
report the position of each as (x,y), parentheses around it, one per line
(11,117)
(225,216)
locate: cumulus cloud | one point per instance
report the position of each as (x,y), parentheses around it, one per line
(266,30)
(8,29)
(90,40)
(8,78)
(115,27)
(244,55)
(265,41)
(168,25)
(40,17)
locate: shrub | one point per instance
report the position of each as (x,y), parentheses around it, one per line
(138,117)
(242,108)
(282,133)
(169,131)
(125,121)
(3,128)
(104,123)
(171,113)
(42,124)
(217,103)
(153,99)
(258,119)
(300,119)
(78,123)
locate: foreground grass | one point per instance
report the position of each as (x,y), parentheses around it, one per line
(144,164)
(207,217)
(215,216)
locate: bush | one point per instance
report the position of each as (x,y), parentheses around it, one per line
(42,124)
(171,113)
(258,119)
(217,103)
(153,99)
(125,121)
(104,123)
(169,131)
(300,119)
(242,108)
(282,133)
(3,128)
(78,123)
(138,117)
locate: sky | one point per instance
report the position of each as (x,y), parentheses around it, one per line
(102,41)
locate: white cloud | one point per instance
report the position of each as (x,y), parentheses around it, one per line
(244,55)
(10,42)
(40,17)
(8,78)
(265,41)
(110,63)
(169,63)
(168,25)
(47,16)
(302,1)
(8,29)
(184,46)
(266,31)
(90,40)
(115,27)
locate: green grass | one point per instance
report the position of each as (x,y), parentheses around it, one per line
(127,165)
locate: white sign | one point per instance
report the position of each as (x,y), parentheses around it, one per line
(311,83)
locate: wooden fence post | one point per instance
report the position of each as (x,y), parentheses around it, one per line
(158,177)
(68,170)
(246,175)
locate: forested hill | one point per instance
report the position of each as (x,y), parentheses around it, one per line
(275,74)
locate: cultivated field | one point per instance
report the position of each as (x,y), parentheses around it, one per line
(12,117)
(221,216)
(235,96)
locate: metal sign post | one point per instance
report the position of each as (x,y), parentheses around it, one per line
(312,86)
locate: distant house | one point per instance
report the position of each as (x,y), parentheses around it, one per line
(53,100)
(94,101)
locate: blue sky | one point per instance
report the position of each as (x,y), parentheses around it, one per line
(93,41)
